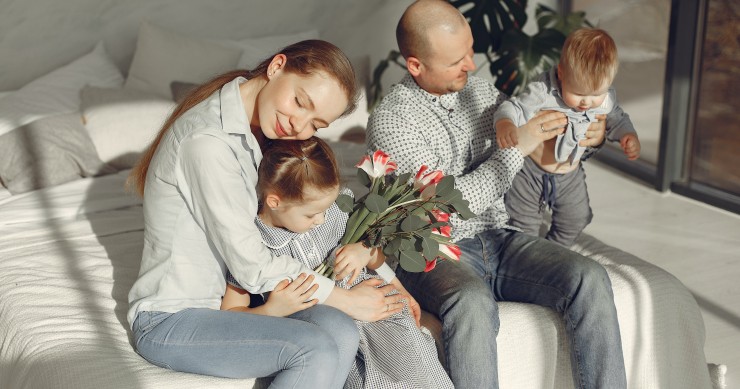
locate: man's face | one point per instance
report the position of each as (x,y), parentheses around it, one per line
(444,69)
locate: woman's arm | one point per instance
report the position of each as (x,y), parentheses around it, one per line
(366,301)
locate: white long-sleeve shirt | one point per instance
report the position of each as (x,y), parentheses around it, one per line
(199,209)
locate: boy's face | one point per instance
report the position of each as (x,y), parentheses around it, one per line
(580,97)
(302,216)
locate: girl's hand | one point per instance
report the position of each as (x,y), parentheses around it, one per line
(290,297)
(350,260)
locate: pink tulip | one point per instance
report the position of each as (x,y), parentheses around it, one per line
(425,179)
(451,251)
(379,166)
(445,231)
(440,216)
(430,265)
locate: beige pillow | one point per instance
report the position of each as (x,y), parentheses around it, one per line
(123,122)
(164,56)
(257,49)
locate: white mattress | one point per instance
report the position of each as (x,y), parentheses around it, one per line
(69,254)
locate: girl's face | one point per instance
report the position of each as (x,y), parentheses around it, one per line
(579,97)
(300,216)
(293,106)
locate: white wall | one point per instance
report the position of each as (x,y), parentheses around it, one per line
(37,36)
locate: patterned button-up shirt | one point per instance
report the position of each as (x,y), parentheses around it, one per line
(454,133)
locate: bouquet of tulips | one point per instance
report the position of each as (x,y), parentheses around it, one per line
(409,219)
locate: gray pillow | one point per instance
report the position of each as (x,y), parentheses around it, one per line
(46,152)
(181,90)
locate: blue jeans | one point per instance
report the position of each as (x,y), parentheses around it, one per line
(314,348)
(506,265)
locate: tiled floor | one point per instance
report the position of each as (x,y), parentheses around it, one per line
(697,243)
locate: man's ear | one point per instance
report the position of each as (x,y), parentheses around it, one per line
(272,201)
(413,65)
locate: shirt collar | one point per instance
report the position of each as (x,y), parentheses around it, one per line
(447,100)
(552,76)
(233,116)
(274,237)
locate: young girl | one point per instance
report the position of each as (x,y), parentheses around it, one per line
(297,185)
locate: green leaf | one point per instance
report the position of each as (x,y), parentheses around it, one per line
(464,211)
(345,203)
(376,203)
(392,246)
(445,186)
(364,178)
(490,18)
(412,261)
(411,223)
(430,247)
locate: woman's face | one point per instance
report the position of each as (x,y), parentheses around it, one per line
(293,106)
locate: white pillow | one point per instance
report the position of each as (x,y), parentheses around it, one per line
(59,91)
(164,56)
(122,122)
(257,49)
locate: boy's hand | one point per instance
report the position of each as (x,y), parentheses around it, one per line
(290,297)
(631,146)
(350,260)
(596,133)
(506,135)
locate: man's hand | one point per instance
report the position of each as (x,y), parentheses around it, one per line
(546,125)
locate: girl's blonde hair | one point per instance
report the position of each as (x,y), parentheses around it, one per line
(289,167)
(305,57)
(589,58)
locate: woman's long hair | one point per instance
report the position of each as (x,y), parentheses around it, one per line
(304,57)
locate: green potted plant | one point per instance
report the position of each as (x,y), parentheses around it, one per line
(514,57)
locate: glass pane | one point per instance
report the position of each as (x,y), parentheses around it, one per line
(715,159)
(640,29)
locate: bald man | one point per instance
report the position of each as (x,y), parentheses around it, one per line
(441,117)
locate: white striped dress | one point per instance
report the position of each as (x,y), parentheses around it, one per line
(393,353)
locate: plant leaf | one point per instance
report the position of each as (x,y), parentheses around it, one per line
(376,203)
(345,203)
(412,261)
(412,223)
(430,247)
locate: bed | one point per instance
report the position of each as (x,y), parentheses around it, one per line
(71,240)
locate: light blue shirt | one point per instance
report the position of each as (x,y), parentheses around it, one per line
(199,209)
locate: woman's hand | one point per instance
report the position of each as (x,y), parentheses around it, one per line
(290,297)
(546,125)
(350,260)
(410,301)
(366,301)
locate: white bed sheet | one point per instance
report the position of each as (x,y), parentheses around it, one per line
(69,254)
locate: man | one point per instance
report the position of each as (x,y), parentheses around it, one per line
(440,117)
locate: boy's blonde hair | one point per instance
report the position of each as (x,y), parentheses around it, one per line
(589,58)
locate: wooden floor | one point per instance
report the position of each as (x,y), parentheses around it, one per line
(697,243)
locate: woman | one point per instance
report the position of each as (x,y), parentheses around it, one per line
(198,183)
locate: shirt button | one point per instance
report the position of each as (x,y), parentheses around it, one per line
(434,99)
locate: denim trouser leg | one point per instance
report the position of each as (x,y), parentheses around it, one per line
(523,268)
(242,345)
(342,329)
(469,320)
